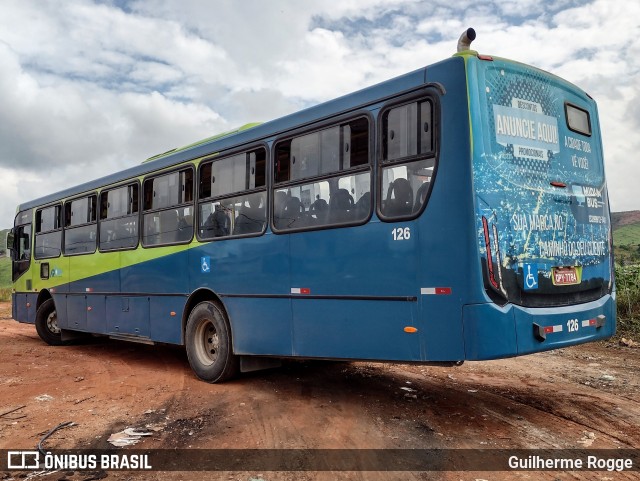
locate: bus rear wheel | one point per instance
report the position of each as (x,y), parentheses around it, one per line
(208,343)
(47,324)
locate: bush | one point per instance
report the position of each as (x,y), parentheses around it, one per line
(5,294)
(628,297)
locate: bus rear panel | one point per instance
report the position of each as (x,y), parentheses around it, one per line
(542,214)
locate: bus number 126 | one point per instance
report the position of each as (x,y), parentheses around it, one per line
(401,233)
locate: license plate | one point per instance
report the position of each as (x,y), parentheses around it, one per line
(566,276)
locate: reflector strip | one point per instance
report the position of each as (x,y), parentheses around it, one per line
(589,322)
(89,289)
(438,291)
(300,290)
(551,329)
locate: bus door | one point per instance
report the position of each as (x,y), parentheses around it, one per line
(19,245)
(51,270)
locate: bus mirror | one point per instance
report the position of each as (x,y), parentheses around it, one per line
(10,239)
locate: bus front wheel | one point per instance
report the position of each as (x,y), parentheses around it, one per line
(47,324)
(208,343)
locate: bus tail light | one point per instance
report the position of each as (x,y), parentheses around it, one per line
(487,245)
(494,270)
(612,267)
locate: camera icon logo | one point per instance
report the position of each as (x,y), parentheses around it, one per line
(23,460)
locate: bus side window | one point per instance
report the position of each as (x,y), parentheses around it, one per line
(119,218)
(232,200)
(23,243)
(80,226)
(338,157)
(408,160)
(168,209)
(48,232)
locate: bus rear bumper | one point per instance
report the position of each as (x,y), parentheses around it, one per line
(493,332)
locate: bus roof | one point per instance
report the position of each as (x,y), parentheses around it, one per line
(341,105)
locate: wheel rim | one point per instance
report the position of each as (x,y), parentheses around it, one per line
(52,323)
(207,342)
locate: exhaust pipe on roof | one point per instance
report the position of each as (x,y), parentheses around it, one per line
(464,42)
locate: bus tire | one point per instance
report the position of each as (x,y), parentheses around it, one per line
(208,343)
(47,324)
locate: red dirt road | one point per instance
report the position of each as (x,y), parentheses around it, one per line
(582,397)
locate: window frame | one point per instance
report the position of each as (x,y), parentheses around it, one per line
(85,224)
(19,266)
(142,212)
(138,214)
(414,97)
(351,171)
(60,229)
(218,156)
(568,105)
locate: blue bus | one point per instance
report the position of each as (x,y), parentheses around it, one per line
(457,212)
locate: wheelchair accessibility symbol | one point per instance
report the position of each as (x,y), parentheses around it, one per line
(205,264)
(530,276)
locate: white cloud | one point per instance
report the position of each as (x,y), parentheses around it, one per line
(90,88)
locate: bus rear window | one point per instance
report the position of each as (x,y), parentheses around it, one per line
(578,119)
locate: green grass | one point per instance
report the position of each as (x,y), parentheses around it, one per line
(5,272)
(628,300)
(628,235)
(5,268)
(5,294)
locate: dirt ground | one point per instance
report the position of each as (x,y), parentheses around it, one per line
(581,397)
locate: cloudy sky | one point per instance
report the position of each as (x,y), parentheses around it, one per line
(88,88)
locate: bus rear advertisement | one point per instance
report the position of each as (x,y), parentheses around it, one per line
(457,212)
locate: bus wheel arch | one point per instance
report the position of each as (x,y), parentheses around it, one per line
(208,342)
(43,296)
(196,297)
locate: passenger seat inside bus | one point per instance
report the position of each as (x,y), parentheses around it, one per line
(363,206)
(421,196)
(399,200)
(318,211)
(294,213)
(250,220)
(185,228)
(218,224)
(168,227)
(341,207)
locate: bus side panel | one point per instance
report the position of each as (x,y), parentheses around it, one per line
(23,307)
(20,307)
(489,332)
(96,314)
(167,274)
(355,261)
(14,307)
(84,282)
(76,312)
(354,329)
(260,326)
(165,318)
(60,301)
(128,315)
(252,278)
(445,229)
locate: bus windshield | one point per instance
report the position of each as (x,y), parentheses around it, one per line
(541,200)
